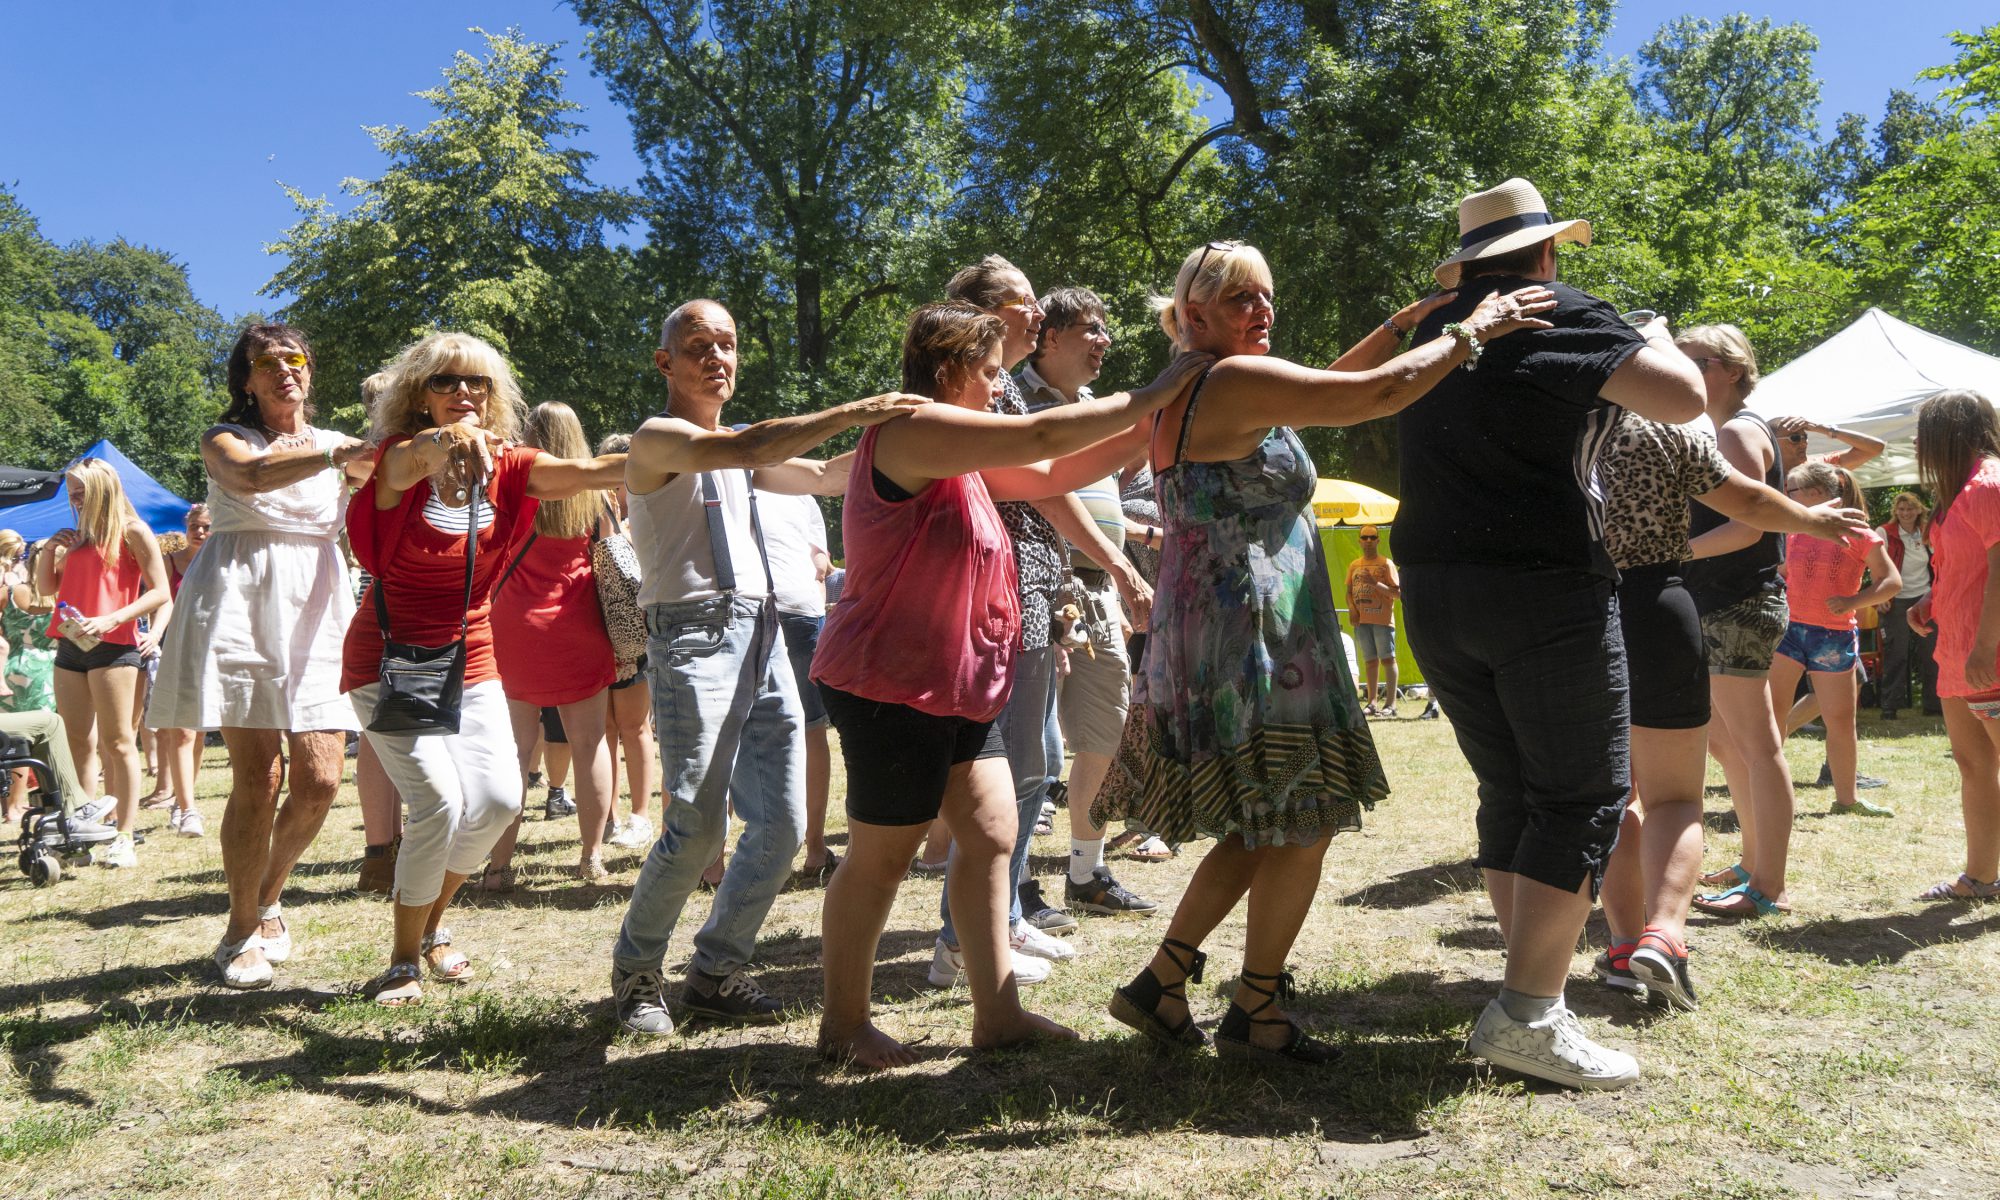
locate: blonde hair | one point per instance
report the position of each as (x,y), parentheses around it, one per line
(12,545)
(1205,273)
(1923,510)
(979,284)
(399,406)
(553,428)
(102,511)
(1727,343)
(1834,481)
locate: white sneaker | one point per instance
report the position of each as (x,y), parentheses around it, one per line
(117,852)
(93,812)
(948,967)
(174,817)
(634,833)
(610,829)
(1031,941)
(1554,1048)
(190,824)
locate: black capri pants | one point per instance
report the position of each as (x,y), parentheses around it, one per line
(1529,665)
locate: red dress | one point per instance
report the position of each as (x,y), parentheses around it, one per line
(423,568)
(548,632)
(1959,543)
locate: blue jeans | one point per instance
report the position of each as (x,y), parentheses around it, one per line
(726,710)
(1024,726)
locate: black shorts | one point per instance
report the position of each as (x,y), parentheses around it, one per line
(1663,649)
(1529,665)
(898,759)
(552,730)
(107,654)
(638,675)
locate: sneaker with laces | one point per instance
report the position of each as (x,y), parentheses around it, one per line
(634,833)
(1613,969)
(948,967)
(558,805)
(1105,896)
(117,852)
(93,812)
(1037,911)
(641,1000)
(190,825)
(610,829)
(1026,939)
(1661,963)
(734,997)
(1554,1048)
(174,818)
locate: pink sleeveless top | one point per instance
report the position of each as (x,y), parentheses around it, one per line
(930,616)
(87,587)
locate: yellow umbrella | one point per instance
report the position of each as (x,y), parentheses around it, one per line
(1341,501)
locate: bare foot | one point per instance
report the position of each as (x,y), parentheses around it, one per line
(1023,1027)
(867,1048)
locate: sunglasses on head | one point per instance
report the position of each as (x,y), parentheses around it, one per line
(271,362)
(444,384)
(1212,248)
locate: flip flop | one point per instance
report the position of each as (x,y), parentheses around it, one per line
(1153,849)
(1727,877)
(1717,905)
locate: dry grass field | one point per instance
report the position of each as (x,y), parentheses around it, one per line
(1850,1049)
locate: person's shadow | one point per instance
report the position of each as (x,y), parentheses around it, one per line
(1859,941)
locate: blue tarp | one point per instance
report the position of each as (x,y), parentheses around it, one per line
(159,508)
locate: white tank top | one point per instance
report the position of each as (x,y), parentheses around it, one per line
(670,534)
(314,506)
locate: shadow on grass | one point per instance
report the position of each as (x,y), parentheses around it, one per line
(168,910)
(1418,886)
(1859,941)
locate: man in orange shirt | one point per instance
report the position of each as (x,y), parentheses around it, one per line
(1372,591)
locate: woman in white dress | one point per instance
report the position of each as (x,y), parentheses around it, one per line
(254,649)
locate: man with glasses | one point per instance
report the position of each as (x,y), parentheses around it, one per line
(1372,591)
(725,702)
(1094,696)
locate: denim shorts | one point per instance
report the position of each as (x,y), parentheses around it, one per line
(1816,648)
(1372,643)
(801,639)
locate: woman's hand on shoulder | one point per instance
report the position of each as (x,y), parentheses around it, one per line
(1499,315)
(1836,522)
(1170,382)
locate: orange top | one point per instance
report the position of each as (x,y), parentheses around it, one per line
(89,589)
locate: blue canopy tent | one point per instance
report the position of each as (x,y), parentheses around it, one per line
(159,508)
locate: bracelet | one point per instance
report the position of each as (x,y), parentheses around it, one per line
(1395,330)
(1152,534)
(1473,349)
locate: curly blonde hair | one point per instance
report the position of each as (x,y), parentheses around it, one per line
(400,405)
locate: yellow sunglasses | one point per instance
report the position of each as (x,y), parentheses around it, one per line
(271,362)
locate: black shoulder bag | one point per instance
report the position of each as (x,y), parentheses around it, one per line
(424,686)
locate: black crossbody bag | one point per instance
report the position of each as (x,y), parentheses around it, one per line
(423,687)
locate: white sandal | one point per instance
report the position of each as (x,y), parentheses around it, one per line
(279,948)
(398,987)
(453,967)
(243,979)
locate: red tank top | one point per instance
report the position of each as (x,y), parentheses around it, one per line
(92,591)
(930,615)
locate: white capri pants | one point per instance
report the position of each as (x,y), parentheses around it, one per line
(461,790)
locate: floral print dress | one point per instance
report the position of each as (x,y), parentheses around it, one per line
(1244,716)
(31,658)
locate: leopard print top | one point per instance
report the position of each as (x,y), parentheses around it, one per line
(1648,473)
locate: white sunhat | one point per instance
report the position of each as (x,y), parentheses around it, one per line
(1504,218)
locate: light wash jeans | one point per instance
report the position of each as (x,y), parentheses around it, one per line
(726,710)
(1024,726)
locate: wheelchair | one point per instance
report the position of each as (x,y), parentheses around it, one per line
(50,836)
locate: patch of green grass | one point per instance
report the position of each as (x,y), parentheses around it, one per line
(46,1128)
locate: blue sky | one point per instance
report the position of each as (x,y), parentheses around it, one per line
(171,124)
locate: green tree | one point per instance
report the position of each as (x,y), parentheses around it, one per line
(797,153)
(1741,92)
(486,221)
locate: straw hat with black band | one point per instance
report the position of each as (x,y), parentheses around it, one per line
(1503,219)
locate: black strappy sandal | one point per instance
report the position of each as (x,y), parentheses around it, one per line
(1232,1037)
(1137,1003)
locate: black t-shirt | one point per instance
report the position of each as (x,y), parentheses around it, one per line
(1498,463)
(1732,578)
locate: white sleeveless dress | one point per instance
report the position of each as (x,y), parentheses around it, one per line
(255,640)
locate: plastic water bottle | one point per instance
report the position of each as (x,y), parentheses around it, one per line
(68,624)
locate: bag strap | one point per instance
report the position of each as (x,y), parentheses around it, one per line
(509,572)
(471,557)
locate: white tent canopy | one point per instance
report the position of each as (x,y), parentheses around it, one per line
(1870,377)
